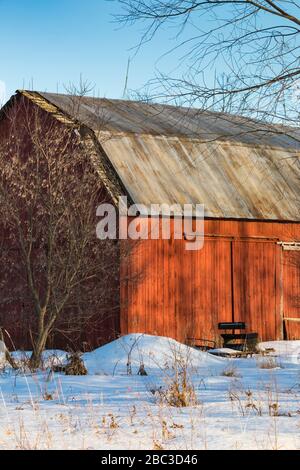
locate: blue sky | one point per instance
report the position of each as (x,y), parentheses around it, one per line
(45,44)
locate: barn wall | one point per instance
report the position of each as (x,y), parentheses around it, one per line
(291,293)
(256,280)
(96,325)
(237,275)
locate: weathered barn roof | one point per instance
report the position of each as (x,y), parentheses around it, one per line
(237,167)
(134,117)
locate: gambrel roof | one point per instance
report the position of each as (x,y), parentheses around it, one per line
(237,167)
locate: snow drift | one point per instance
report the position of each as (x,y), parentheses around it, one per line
(156,353)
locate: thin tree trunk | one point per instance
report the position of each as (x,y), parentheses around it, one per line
(36,356)
(39,346)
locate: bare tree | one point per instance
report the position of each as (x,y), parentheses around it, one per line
(54,265)
(240,56)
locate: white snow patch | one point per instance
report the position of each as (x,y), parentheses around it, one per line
(288,351)
(155,352)
(281,347)
(55,411)
(50,357)
(229,351)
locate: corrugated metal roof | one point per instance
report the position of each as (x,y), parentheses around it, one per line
(237,168)
(231,181)
(155,119)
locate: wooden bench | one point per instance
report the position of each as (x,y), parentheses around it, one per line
(201,343)
(238,341)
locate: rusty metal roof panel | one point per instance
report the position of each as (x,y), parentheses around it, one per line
(231,181)
(234,166)
(156,119)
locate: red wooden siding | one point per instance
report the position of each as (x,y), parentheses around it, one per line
(237,275)
(211,287)
(255,282)
(177,293)
(282,231)
(291,293)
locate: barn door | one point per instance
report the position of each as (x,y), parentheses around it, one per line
(210,289)
(256,286)
(291,290)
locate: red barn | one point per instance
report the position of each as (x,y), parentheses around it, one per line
(247,175)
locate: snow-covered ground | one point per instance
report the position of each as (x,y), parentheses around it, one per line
(251,403)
